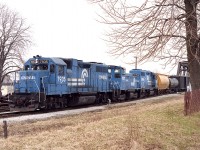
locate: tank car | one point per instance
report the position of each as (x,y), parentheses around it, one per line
(47,83)
(180,83)
(163,83)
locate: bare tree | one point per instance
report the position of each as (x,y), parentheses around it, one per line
(166,30)
(14,37)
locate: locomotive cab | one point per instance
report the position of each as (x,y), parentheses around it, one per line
(34,82)
(116,74)
(35,74)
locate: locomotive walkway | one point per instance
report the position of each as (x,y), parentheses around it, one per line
(72,111)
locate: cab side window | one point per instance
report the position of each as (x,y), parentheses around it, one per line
(52,68)
(26,67)
(117,73)
(61,70)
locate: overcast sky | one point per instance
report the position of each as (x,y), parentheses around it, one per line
(68,28)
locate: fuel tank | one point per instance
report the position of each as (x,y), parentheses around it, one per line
(82,100)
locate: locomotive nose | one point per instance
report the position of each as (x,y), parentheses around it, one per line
(32,81)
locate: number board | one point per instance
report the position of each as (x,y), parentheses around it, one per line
(39,61)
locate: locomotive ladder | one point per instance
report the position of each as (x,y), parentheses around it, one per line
(116,89)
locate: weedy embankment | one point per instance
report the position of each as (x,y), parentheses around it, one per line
(159,125)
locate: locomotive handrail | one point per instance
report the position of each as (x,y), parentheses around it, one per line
(44,86)
(115,85)
(12,84)
(38,89)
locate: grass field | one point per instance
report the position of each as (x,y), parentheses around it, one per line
(159,125)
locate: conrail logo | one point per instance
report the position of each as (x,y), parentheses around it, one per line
(84,75)
(78,81)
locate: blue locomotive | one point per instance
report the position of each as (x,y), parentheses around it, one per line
(46,83)
(146,82)
(59,82)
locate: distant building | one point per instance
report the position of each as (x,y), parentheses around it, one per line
(7,86)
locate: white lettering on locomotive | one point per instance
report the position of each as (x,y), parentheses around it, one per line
(133,82)
(61,79)
(27,78)
(148,80)
(103,77)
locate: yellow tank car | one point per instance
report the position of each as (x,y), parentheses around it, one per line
(163,81)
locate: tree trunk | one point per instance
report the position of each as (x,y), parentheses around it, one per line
(192,43)
(1,82)
(1,76)
(0,93)
(0,89)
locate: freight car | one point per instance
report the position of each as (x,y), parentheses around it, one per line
(163,83)
(47,83)
(171,84)
(180,83)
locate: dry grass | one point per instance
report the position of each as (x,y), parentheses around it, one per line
(158,125)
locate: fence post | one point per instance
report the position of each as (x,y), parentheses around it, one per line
(5,129)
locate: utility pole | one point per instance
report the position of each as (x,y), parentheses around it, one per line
(136,62)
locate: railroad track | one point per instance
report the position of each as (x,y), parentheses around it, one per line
(9,114)
(4,104)
(4,107)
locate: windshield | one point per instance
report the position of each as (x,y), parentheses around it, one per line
(40,67)
(36,67)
